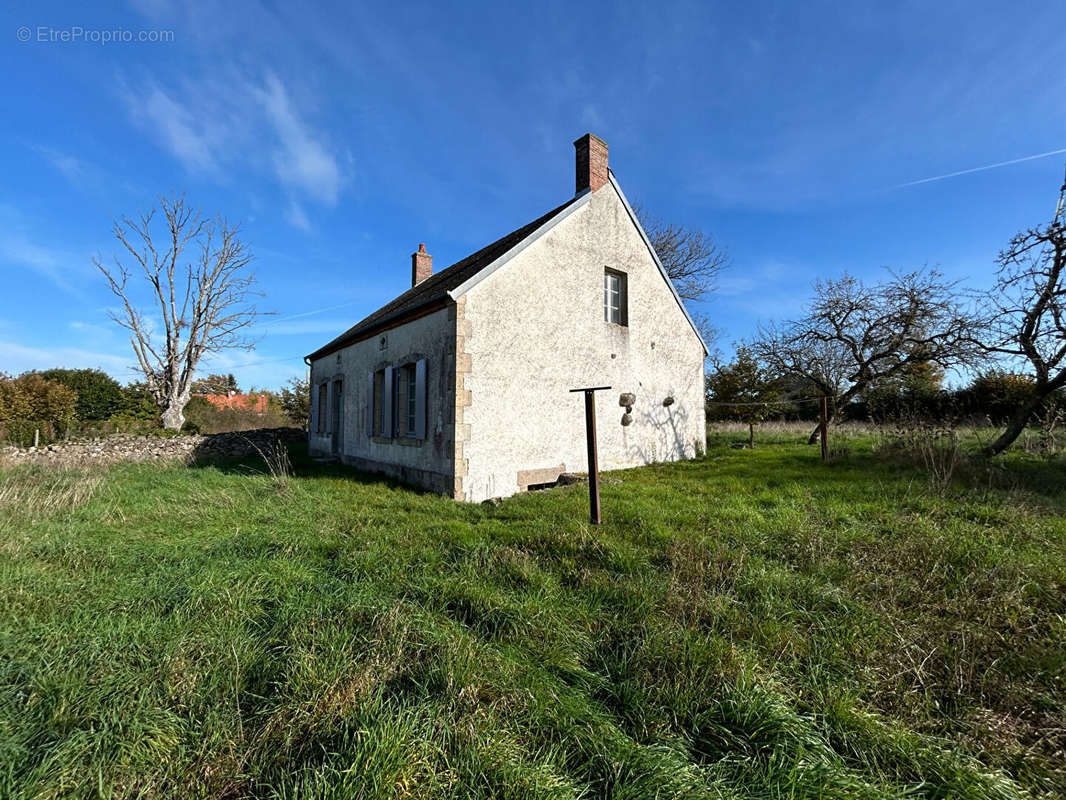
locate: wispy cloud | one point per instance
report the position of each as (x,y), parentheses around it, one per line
(305,326)
(55,265)
(73,169)
(297,218)
(302,161)
(20,358)
(312,313)
(981,169)
(214,124)
(191,138)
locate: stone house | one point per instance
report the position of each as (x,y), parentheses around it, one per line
(461,385)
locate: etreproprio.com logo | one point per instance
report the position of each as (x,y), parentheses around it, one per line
(47,34)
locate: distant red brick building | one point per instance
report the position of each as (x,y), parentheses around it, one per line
(238,402)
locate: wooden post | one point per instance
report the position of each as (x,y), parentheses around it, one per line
(36,437)
(823,428)
(590,443)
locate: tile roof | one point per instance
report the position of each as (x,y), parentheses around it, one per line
(434,290)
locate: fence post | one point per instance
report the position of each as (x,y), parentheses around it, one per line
(823,428)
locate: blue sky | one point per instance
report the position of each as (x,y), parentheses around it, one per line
(341,137)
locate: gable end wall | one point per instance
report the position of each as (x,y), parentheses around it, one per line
(535,330)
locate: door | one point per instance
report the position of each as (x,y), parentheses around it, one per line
(338,417)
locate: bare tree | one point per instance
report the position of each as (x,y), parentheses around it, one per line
(691,257)
(216,384)
(709,332)
(201,285)
(855,336)
(1026,320)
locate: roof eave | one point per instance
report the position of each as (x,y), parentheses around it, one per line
(394,320)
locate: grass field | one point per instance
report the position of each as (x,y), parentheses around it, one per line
(751,624)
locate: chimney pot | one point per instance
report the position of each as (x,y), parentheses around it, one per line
(421,265)
(590,153)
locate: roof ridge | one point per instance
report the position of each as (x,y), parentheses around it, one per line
(437,286)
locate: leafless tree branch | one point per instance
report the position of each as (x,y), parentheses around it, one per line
(202,290)
(855,336)
(691,257)
(1025,318)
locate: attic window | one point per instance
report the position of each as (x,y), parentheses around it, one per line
(615,297)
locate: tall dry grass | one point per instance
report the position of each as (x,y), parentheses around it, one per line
(46,490)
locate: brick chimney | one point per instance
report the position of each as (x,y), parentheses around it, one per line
(591,161)
(421,265)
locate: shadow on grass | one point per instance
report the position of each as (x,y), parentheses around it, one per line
(297,464)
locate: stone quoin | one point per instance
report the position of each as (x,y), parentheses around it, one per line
(461,384)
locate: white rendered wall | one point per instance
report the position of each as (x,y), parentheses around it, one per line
(536,329)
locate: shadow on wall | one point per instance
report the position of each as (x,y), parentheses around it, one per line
(669,423)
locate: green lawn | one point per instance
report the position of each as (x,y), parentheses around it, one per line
(752,624)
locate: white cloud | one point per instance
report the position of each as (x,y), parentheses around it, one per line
(177,128)
(302,162)
(52,264)
(18,358)
(73,169)
(219,123)
(308,326)
(297,218)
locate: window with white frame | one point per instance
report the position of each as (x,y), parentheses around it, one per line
(614,297)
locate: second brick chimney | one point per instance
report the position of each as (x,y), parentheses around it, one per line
(591,162)
(421,265)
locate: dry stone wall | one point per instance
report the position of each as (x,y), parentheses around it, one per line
(132,447)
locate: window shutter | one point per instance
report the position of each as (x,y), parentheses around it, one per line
(323,408)
(370,404)
(389,406)
(420,399)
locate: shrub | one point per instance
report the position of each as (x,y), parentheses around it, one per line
(295,400)
(997,394)
(744,391)
(201,416)
(99,395)
(32,403)
(136,403)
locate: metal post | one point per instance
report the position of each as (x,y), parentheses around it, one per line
(823,428)
(590,441)
(594,467)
